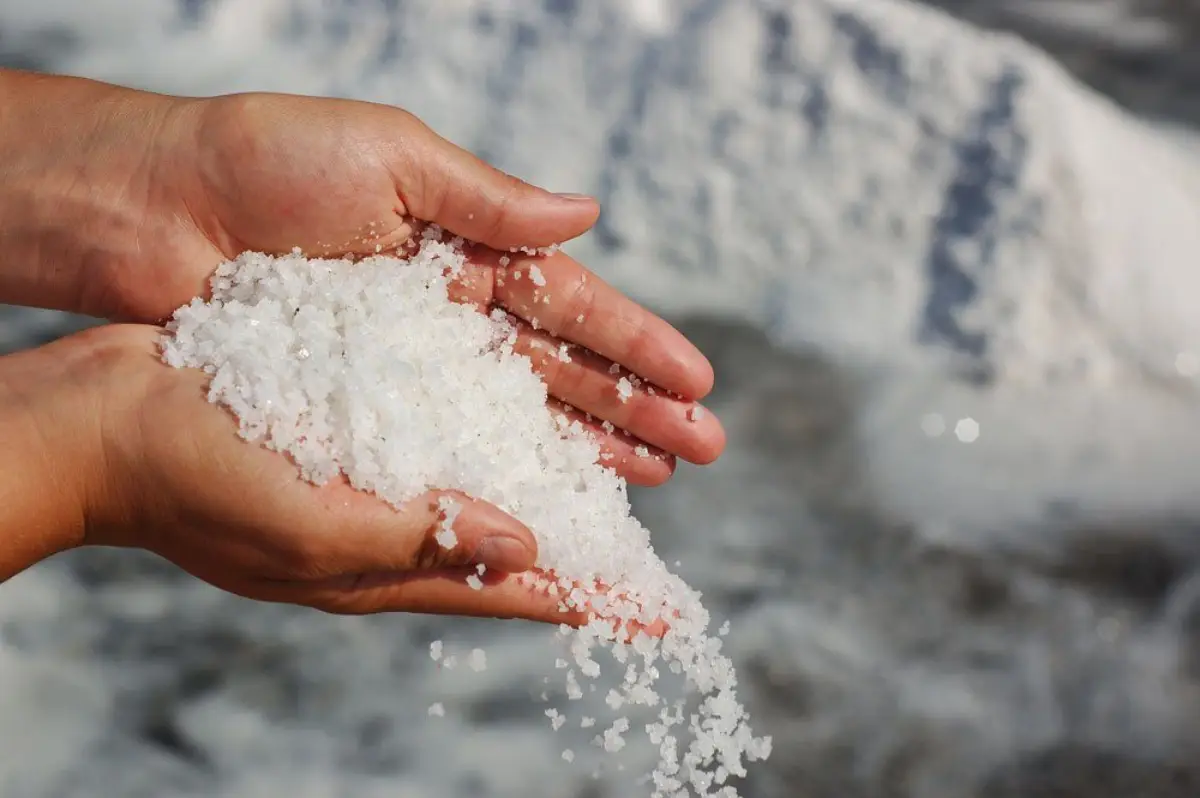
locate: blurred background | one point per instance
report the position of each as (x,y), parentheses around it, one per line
(944,260)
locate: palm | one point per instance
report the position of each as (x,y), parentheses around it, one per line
(331,186)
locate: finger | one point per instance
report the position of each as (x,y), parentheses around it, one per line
(347,531)
(443,592)
(587,382)
(440,182)
(556,294)
(632,459)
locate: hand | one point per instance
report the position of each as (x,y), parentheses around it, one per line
(129,453)
(167,188)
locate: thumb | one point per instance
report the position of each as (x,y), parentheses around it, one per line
(436,531)
(442,183)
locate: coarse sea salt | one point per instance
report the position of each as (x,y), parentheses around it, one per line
(368,370)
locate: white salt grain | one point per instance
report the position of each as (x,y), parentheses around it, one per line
(445,535)
(478,660)
(536,275)
(437,711)
(624,389)
(568,755)
(474,582)
(435,650)
(404,391)
(641,451)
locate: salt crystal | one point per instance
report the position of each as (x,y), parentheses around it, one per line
(568,755)
(435,650)
(474,582)
(505,260)
(695,413)
(641,451)
(402,390)
(536,275)
(478,660)
(445,535)
(437,711)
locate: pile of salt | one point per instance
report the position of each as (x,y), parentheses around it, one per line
(369,370)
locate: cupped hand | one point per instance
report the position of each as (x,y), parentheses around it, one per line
(146,462)
(203,180)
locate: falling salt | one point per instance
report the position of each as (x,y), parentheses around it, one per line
(967,430)
(478,660)
(404,391)
(437,711)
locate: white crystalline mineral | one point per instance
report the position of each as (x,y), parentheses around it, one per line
(368,370)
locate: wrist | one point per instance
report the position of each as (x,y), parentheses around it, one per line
(51,465)
(80,171)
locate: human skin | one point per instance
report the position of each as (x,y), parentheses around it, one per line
(119,204)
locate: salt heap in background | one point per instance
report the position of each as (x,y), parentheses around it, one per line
(368,369)
(924,218)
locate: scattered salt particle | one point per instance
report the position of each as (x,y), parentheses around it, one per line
(586,723)
(478,660)
(607,426)
(445,535)
(474,582)
(437,711)
(517,274)
(695,413)
(933,425)
(481,569)
(435,650)
(378,248)
(560,663)
(449,662)
(724,630)
(536,275)
(564,353)
(505,260)
(967,430)
(624,389)
(568,755)
(650,390)
(614,369)
(641,451)
(579,319)
(557,719)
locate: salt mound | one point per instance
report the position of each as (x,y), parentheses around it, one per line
(369,370)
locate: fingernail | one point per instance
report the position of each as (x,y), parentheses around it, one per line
(501,553)
(576,197)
